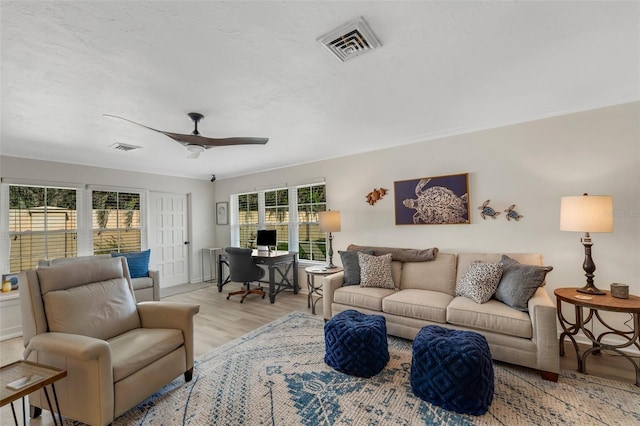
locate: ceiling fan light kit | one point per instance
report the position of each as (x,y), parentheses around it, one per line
(195,143)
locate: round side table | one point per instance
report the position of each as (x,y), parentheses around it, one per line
(592,305)
(312,272)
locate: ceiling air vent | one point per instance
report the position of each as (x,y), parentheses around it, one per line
(350,40)
(124,147)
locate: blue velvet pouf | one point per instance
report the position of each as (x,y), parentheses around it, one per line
(356,344)
(452,369)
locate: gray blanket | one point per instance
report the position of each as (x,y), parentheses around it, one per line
(400,254)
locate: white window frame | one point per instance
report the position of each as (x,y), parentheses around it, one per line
(293,215)
(83,210)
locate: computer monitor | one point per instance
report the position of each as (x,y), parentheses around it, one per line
(266,238)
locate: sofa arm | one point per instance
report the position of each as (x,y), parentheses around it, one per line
(543,315)
(155,277)
(87,392)
(329,284)
(171,315)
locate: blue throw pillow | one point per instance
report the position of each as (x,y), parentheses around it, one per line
(138,262)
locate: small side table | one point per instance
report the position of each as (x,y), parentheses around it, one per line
(595,304)
(312,272)
(213,269)
(19,369)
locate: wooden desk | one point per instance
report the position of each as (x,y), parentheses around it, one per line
(284,263)
(595,304)
(18,369)
(312,271)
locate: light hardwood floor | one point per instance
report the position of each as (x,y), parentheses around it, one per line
(221,320)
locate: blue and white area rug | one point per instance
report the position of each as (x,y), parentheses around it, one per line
(276,376)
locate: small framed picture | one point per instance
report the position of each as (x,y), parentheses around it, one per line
(222,213)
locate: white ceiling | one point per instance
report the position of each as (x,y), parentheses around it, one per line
(255,69)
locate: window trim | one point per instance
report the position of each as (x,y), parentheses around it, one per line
(83,213)
(293,213)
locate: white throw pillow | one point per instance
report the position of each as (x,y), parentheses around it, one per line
(375,271)
(480,281)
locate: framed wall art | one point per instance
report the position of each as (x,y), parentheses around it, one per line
(222,213)
(432,200)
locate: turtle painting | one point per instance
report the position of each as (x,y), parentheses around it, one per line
(512,214)
(488,211)
(437,204)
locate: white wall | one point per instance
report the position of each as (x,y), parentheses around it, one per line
(201,192)
(531,165)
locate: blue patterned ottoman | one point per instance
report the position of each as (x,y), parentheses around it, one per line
(356,343)
(452,369)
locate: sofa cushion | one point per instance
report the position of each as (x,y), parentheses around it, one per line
(138,262)
(375,271)
(479,281)
(138,348)
(351,266)
(437,275)
(361,297)
(519,282)
(102,310)
(421,304)
(492,316)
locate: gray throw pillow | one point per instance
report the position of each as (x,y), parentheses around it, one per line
(375,271)
(351,266)
(519,282)
(479,281)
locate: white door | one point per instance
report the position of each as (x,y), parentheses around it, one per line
(169,237)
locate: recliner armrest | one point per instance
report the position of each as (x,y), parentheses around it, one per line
(70,345)
(171,315)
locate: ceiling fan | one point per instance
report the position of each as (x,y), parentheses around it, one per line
(195,143)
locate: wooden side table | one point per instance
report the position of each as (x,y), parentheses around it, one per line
(19,369)
(595,304)
(312,272)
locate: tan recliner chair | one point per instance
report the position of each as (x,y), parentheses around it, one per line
(83,317)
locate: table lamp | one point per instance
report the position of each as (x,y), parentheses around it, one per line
(330,222)
(587,213)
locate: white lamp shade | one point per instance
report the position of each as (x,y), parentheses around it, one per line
(586,213)
(329,221)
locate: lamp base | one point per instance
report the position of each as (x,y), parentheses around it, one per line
(591,289)
(330,266)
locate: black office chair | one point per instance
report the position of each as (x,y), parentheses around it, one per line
(242,269)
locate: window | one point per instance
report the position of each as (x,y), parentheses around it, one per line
(277,215)
(42,225)
(312,243)
(292,212)
(115,221)
(247,219)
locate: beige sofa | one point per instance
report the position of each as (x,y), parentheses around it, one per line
(146,288)
(425,294)
(83,317)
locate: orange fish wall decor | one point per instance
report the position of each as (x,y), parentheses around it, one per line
(376,195)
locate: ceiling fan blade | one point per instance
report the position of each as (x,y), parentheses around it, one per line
(192,139)
(211,142)
(138,124)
